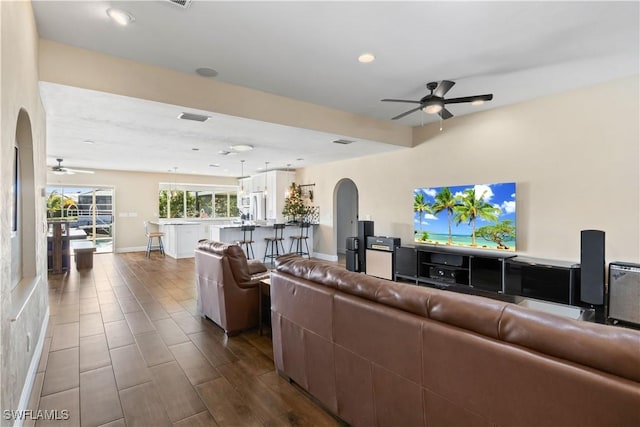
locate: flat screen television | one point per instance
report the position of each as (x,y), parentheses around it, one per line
(471,216)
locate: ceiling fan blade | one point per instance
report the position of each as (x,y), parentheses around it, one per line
(487,97)
(406,113)
(443,88)
(400,100)
(72,171)
(445,114)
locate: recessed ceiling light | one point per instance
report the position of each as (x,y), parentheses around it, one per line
(88,141)
(206,72)
(120,17)
(241,148)
(365,58)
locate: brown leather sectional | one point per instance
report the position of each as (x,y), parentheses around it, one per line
(227,285)
(380,353)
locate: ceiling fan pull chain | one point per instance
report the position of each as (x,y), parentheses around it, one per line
(440,123)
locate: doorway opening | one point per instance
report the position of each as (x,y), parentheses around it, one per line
(346,214)
(89,209)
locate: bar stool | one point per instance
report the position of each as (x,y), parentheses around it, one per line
(150,235)
(247,240)
(299,239)
(271,242)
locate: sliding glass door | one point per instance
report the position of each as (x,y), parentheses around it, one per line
(89,209)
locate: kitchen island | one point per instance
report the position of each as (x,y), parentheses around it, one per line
(181,237)
(231,233)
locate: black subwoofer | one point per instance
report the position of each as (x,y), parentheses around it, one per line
(406,262)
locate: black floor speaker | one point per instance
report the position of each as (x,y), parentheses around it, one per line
(406,262)
(365,229)
(592,267)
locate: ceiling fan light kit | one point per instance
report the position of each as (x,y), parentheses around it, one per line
(433,107)
(434,103)
(120,17)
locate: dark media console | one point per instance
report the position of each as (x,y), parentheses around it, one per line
(446,267)
(497,273)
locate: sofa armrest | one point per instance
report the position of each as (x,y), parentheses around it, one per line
(256,266)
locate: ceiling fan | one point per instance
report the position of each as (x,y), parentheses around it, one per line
(434,103)
(61,170)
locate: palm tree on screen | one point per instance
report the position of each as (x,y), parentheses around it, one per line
(473,207)
(445,201)
(420,205)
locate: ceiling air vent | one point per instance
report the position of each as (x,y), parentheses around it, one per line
(343,141)
(181,3)
(194,117)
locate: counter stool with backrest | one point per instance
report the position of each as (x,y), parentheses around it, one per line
(273,242)
(301,238)
(247,240)
(150,235)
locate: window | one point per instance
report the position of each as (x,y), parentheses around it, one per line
(188,202)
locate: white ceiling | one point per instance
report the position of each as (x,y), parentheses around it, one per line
(308,51)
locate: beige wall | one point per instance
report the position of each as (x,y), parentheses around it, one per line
(574,157)
(19,90)
(134,192)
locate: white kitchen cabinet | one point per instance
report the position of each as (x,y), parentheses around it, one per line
(274,184)
(181,237)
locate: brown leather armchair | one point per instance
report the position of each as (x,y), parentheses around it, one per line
(227,285)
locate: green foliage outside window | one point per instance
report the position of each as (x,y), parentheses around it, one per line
(171,204)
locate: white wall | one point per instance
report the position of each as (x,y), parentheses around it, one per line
(135,192)
(574,157)
(19,91)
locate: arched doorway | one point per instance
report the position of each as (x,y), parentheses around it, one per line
(23,208)
(346,213)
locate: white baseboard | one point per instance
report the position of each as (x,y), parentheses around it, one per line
(325,257)
(131,249)
(33,370)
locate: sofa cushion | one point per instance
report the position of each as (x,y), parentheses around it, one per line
(408,298)
(606,348)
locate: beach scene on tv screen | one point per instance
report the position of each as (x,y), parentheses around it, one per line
(474,216)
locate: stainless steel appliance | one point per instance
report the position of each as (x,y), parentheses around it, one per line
(257,203)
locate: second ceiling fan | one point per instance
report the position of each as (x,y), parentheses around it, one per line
(434,103)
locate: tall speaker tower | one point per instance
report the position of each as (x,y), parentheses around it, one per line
(592,267)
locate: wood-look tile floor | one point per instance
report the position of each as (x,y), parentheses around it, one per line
(126,347)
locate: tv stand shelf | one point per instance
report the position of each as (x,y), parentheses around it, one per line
(448,267)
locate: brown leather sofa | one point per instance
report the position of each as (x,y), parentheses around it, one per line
(227,285)
(380,353)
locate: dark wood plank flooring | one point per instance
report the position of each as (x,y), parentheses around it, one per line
(125,346)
